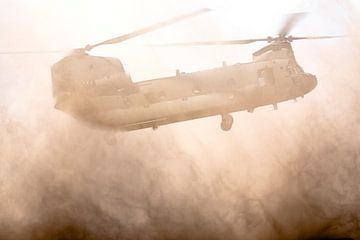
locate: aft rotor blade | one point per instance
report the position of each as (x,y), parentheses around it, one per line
(207,43)
(317,37)
(148,29)
(290,23)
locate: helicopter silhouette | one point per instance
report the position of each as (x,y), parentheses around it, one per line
(98,91)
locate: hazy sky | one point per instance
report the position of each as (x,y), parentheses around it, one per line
(301,160)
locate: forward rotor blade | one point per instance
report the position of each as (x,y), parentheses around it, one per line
(207,43)
(317,37)
(33,52)
(290,23)
(148,29)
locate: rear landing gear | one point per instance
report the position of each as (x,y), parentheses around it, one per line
(226,122)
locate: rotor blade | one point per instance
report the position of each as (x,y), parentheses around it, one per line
(149,28)
(317,37)
(290,23)
(33,52)
(207,43)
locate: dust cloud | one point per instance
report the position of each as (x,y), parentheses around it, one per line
(296,176)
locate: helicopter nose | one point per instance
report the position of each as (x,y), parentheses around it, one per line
(310,82)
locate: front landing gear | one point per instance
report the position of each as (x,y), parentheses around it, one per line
(226,122)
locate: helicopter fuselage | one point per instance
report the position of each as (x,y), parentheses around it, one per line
(185,96)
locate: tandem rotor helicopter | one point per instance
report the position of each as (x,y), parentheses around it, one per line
(97,89)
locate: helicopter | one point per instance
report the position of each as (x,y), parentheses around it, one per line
(98,91)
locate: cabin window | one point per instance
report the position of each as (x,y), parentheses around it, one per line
(88,84)
(298,70)
(265,77)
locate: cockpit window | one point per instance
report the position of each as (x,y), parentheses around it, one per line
(265,76)
(294,68)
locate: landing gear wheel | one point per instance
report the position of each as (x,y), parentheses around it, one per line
(226,122)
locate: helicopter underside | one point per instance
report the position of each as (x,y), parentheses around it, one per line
(163,113)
